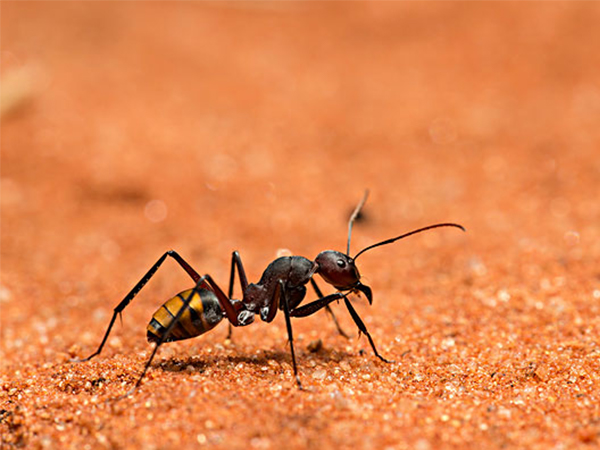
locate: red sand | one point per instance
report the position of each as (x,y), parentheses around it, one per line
(132,128)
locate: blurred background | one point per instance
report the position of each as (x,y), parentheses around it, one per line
(129,128)
(203,124)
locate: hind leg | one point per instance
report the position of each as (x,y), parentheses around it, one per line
(137,288)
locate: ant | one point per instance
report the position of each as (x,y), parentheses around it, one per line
(282,286)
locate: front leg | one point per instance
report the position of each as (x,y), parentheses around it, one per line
(328,309)
(361,326)
(317,305)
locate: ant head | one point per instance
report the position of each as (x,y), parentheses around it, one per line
(339,270)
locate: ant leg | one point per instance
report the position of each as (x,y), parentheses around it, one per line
(361,326)
(167,332)
(288,323)
(136,289)
(317,305)
(328,309)
(224,301)
(191,272)
(236,261)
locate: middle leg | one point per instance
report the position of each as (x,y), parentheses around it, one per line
(288,323)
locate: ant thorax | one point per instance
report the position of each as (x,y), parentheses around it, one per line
(253,297)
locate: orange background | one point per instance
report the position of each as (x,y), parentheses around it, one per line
(129,128)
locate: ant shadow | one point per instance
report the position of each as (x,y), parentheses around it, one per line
(195,364)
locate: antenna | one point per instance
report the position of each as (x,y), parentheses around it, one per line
(389,241)
(353,218)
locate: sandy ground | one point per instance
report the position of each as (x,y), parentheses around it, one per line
(132,128)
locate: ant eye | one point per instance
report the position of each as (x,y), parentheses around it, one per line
(341,263)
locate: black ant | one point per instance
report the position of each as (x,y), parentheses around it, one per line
(282,286)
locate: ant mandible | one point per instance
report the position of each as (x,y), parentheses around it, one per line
(282,286)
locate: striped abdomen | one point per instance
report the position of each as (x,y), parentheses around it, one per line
(202,314)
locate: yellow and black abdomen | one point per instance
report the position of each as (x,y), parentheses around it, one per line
(202,314)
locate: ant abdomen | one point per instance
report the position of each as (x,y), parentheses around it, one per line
(202,314)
